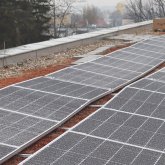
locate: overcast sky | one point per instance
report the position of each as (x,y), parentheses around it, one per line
(101,3)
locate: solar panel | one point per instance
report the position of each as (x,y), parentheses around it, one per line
(153,82)
(42,104)
(27,114)
(63,88)
(87,150)
(6,150)
(129,129)
(158,43)
(93,79)
(146,53)
(128,125)
(122,67)
(17,129)
(101,75)
(136,55)
(130,64)
(160,38)
(151,48)
(39,105)
(160,76)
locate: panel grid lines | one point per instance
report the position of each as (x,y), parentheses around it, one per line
(127,127)
(76,82)
(90,155)
(134,46)
(127,60)
(16,112)
(92,82)
(96,74)
(9,145)
(70,91)
(47,92)
(138,53)
(111,140)
(147,89)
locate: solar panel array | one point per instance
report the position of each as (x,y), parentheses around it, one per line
(30,109)
(129,129)
(63,88)
(115,69)
(98,73)
(26,115)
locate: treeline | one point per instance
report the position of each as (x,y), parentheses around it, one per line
(23,22)
(140,10)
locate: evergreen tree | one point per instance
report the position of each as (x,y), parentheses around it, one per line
(41,27)
(23,22)
(8,25)
(22,10)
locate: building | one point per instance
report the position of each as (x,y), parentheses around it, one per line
(101,23)
(120,7)
(127,21)
(62,21)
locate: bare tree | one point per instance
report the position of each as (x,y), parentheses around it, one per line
(61,8)
(140,10)
(91,14)
(76,17)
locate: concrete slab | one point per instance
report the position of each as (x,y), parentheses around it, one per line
(131,37)
(95,52)
(85,55)
(33,46)
(103,49)
(100,50)
(86,59)
(13,51)
(66,39)
(109,46)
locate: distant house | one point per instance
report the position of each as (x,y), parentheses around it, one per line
(101,23)
(126,20)
(62,20)
(81,23)
(119,20)
(65,21)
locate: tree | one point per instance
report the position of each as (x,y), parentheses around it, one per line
(76,17)
(140,10)
(22,11)
(91,14)
(7,24)
(41,28)
(13,26)
(63,7)
(23,22)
